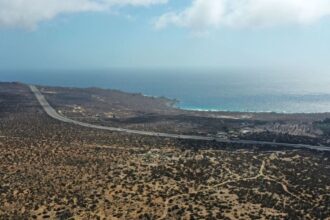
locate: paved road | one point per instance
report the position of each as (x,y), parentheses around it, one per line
(52,113)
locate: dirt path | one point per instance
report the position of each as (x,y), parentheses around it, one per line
(261,173)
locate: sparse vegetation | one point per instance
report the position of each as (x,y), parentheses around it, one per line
(53,170)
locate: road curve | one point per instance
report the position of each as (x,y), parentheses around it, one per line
(52,113)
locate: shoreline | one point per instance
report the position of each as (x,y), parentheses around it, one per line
(174,102)
(242,112)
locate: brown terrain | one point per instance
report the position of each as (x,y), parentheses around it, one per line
(53,170)
(135,111)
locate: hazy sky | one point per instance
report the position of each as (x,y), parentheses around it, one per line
(99,34)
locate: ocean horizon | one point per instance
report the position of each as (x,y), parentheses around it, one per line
(202,90)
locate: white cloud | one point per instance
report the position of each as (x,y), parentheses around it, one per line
(204,14)
(28,13)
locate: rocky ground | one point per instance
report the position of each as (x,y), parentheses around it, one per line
(53,170)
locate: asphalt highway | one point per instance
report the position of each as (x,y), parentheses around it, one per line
(52,113)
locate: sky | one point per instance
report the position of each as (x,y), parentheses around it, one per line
(102,34)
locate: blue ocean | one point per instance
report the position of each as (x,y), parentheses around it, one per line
(209,90)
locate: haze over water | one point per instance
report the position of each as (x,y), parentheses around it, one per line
(223,90)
